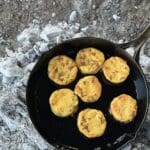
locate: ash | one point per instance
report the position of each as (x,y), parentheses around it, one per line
(19,55)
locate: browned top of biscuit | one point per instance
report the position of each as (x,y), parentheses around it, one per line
(90,60)
(62,69)
(115,69)
(91,123)
(123,108)
(88,89)
(63,102)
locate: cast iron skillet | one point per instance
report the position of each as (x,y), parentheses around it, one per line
(63,133)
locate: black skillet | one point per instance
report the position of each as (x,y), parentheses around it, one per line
(63,133)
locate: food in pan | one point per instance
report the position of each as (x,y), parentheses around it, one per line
(89,89)
(123,108)
(115,69)
(91,123)
(63,102)
(62,70)
(90,60)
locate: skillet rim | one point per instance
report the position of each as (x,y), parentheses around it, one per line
(145,83)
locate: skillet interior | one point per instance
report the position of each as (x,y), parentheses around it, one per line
(63,132)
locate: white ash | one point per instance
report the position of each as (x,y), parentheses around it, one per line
(15,67)
(75,27)
(54,3)
(9,67)
(53,14)
(116,17)
(121,41)
(145,59)
(134,148)
(73,16)
(94,6)
(49,32)
(29,67)
(77,35)
(127,147)
(28,34)
(130,50)
(135,7)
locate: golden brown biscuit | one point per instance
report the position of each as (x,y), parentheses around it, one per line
(91,123)
(90,60)
(115,69)
(63,102)
(89,89)
(123,108)
(62,70)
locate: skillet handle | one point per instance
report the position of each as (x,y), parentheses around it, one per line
(137,43)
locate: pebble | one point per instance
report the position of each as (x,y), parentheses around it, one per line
(53,14)
(115,17)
